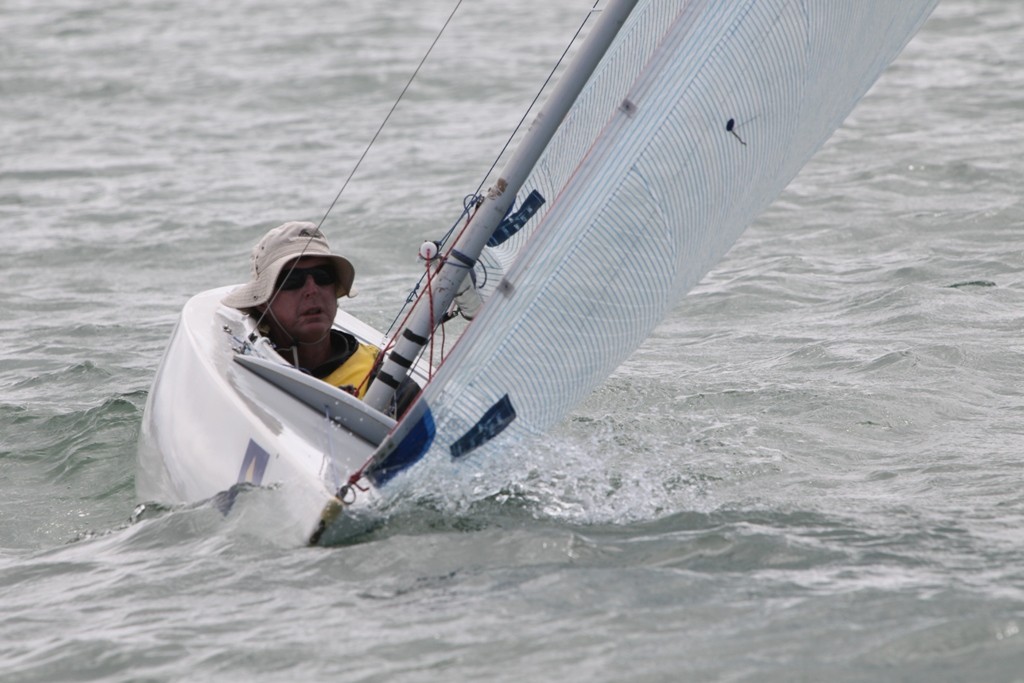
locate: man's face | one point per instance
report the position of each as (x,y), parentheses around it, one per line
(305,313)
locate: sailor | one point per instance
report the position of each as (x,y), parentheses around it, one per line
(294,285)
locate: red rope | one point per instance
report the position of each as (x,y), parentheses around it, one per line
(430,301)
(347,493)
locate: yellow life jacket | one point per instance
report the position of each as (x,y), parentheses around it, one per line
(355,372)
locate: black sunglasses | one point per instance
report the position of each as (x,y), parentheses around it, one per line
(296,277)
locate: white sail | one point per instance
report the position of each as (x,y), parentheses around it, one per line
(699,116)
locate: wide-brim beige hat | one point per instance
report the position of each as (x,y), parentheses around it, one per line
(271,254)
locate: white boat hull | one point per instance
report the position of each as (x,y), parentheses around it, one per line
(212,424)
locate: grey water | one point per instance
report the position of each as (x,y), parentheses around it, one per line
(811,471)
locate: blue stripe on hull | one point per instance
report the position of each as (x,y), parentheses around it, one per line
(408,452)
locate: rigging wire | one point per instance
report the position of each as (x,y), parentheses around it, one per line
(394,106)
(536,97)
(362,156)
(471,201)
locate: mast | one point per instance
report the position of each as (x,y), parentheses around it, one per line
(466,250)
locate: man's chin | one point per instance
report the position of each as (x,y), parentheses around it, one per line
(312,332)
